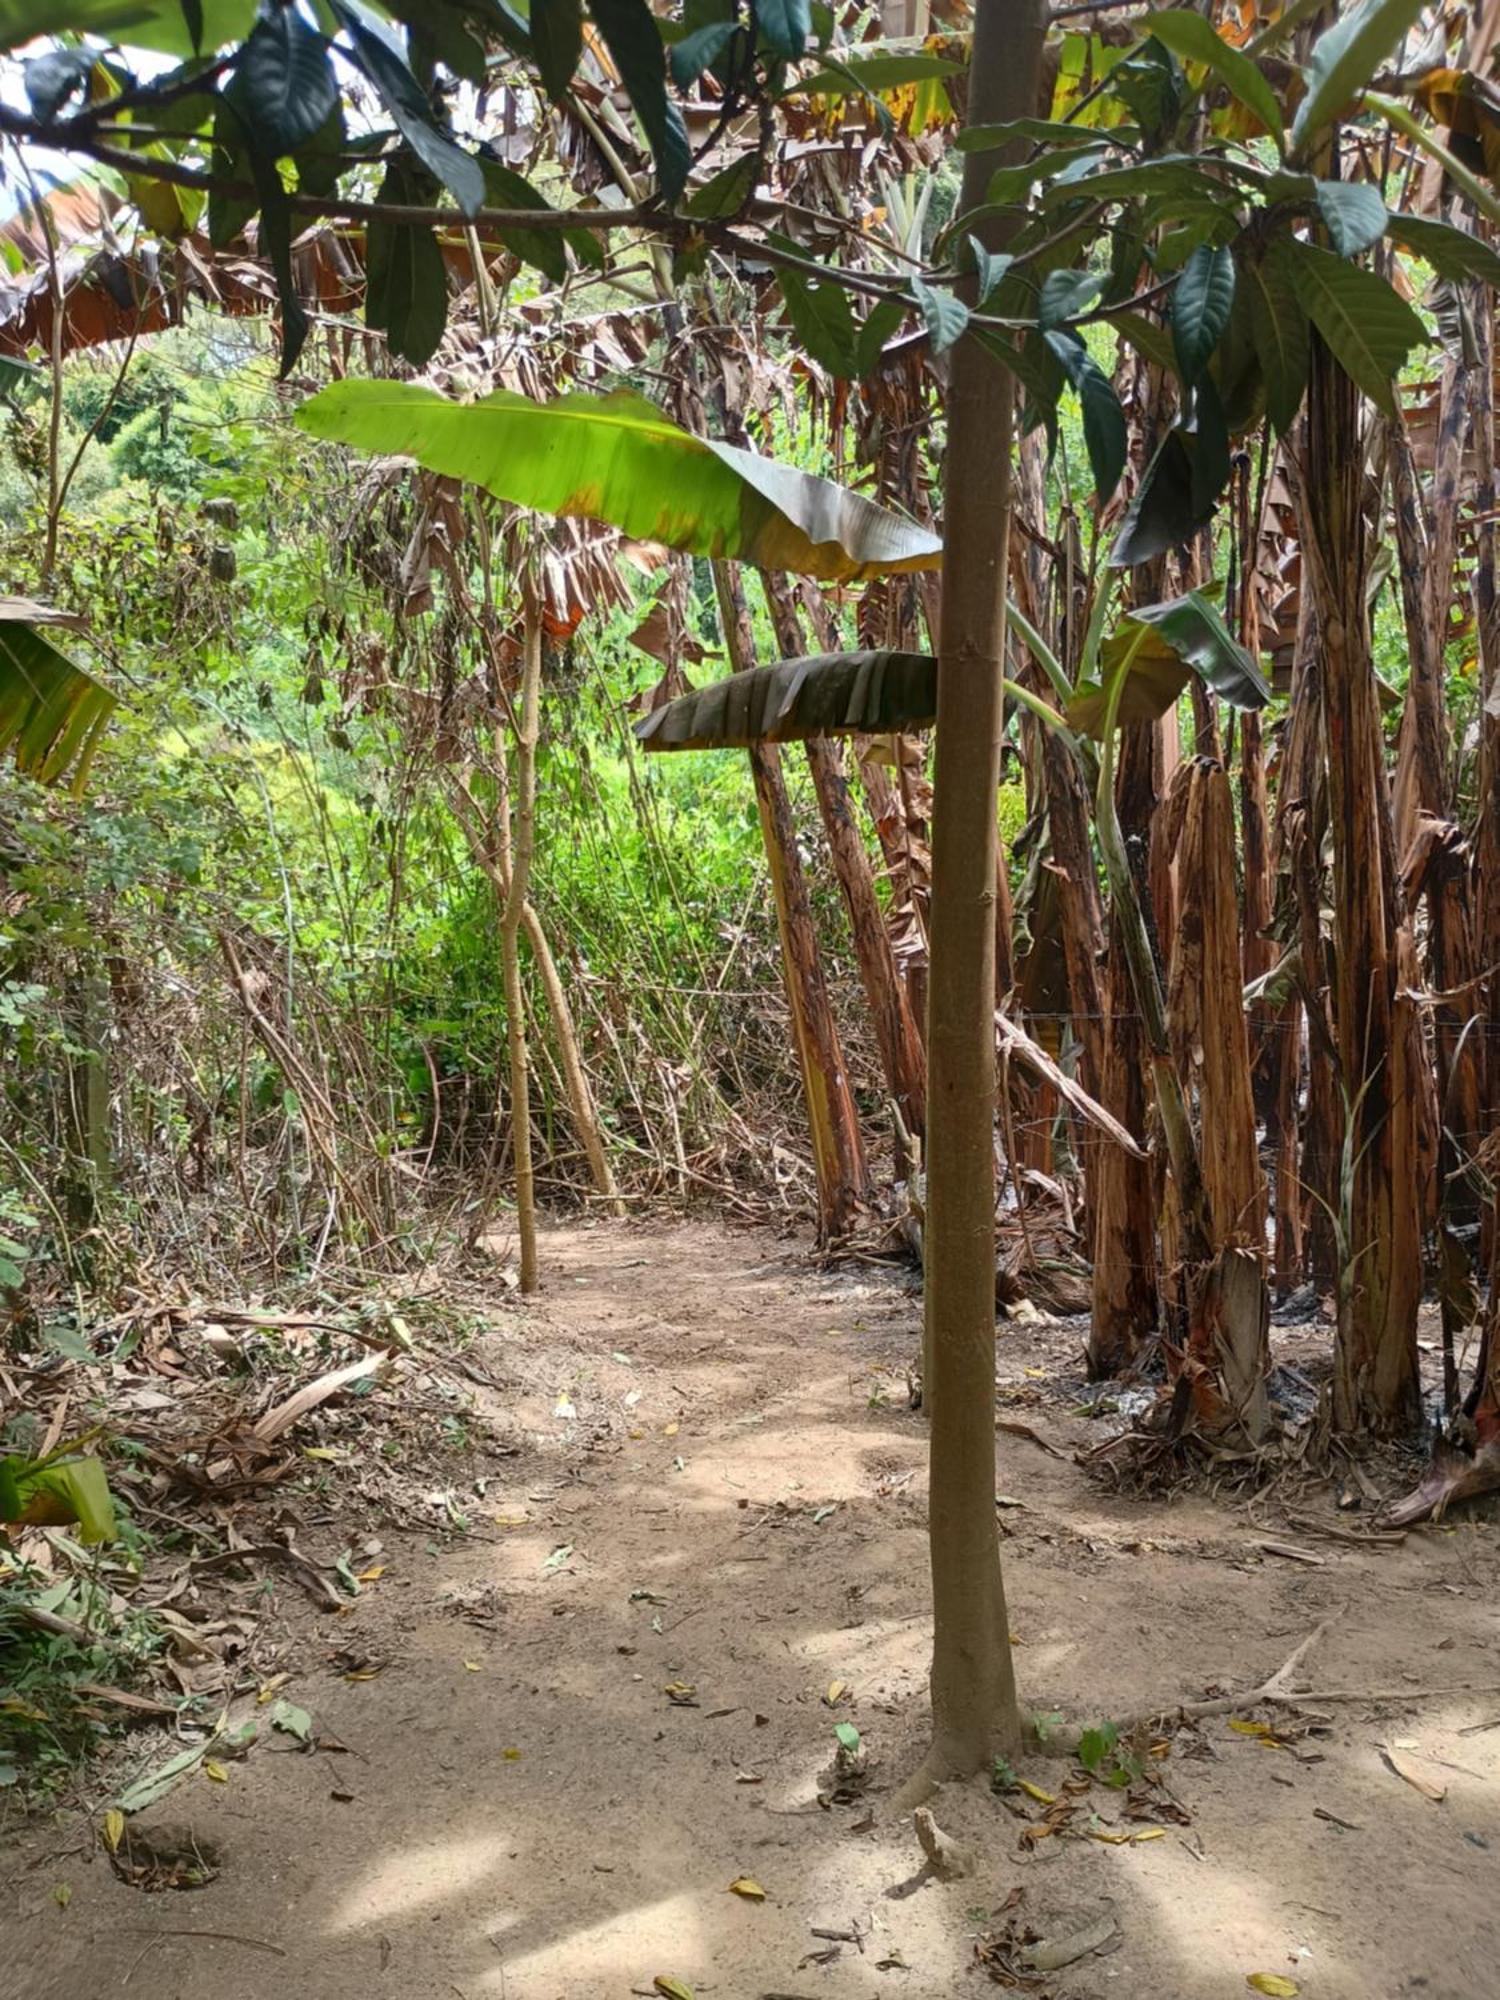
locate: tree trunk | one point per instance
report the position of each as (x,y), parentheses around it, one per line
(902,1054)
(1380,1277)
(843,1181)
(1125,1305)
(974,1710)
(521,845)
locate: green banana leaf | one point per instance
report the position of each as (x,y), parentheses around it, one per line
(616,458)
(141,24)
(831,694)
(55,1492)
(1157,647)
(52,713)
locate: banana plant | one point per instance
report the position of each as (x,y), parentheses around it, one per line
(52,712)
(67,1486)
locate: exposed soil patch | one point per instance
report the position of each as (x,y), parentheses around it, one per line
(568,1734)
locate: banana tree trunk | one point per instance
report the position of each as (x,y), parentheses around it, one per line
(902,1055)
(1380,1275)
(839,1166)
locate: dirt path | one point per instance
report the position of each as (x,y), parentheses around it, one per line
(736,1506)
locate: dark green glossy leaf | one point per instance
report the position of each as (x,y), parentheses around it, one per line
(700,51)
(321,161)
(1368,327)
(990,267)
(406,285)
(557,39)
(1147,338)
(784,26)
(409,106)
(1201,305)
(1345,60)
(274,241)
(946,316)
(727,192)
(285,81)
(1104,433)
(1163,515)
(821,318)
(1038,131)
(1178,177)
(832,694)
(879,324)
(1279,328)
(1354,214)
(635,46)
(1064,295)
(1453,253)
(1153,86)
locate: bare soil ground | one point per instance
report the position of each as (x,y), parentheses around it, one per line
(610,1701)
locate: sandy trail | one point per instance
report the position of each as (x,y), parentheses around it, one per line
(525,1813)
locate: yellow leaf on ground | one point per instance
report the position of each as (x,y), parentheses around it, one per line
(372,1574)
(212,1768)
(1273,1983)
(748,1887)
(673,1989)
(320,1451)
(62,1895)
(836,1692)
(1035,1792)
(1244,1728)
(472,1667)
(512,1755)
(1149,1833)
(114,1829)
(671,1430)
(267,1689)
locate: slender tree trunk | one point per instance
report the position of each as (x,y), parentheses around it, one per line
(974,1710)
(902,1054)
(522,844)
(1125,1303)
(1375,1368)
(843,1180)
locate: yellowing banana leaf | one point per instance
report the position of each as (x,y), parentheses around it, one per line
(831,694)
(52,713)
(616,458)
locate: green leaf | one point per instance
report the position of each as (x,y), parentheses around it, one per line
(727,192)
(1147,338)
(1151,83)
(990,266)
(1345,60)
(162,25)
(1040,131)
(1354,214)
(616,458)
(275,242)
(543,248)
(1452,253)
(292,1720)
(52,713)
(406,285)
(320,162)
(377,56)
(1165,512)
(1157,646)
(945,314)
(700,50)
(1201,306)
(847,1735)
(1037,369)
(229,159)
(784,26)
(1178,176)
(557,39)
(880,322)
(1104,433)
(1065,294)
(286,81)
(53,1492)
(635,46)
(1369,329)
(1193,38)
(1278,327)
(821,318)
(869,75)
(832,694)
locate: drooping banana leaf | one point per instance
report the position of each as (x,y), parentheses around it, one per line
(52,713)
(143,24)
(616,458)
(1156,647)
(831,694)
(55,1492)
